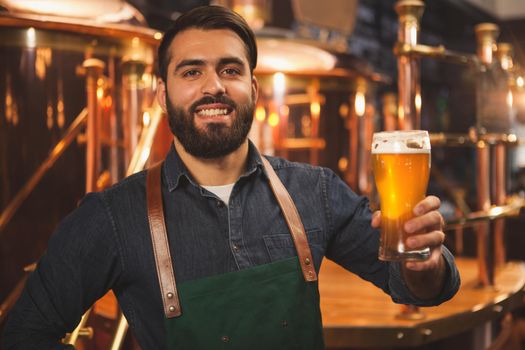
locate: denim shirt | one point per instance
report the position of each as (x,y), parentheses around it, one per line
(105,244)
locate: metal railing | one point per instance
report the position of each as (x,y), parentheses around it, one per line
(71,133)
(138,162)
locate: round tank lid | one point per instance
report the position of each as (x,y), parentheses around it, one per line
(100,11)
(289,56)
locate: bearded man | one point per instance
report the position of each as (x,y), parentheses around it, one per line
(219,245)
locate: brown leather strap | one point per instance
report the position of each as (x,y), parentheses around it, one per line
(293,221)
(159,239)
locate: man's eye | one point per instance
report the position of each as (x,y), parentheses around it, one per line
(191,73)
(231,71)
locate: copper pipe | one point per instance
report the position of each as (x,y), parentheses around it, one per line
(486,34)
(494,213)
(120,333)
(389,101)
(485,266)
(114,126)
(483,171)
(409,89)
(352,125)
(500,198)
(132,101)
(504,51)
(505,56)
(471,139)
(80,330)
(143,149)
(70,135)
(12,297)
(486,275)
(94,68)
(439,52)
(366,126)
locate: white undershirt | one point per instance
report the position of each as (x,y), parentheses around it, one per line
(223,192)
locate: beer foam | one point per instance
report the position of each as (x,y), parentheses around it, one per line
(413,141)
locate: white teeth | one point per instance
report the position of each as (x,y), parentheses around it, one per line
(214,111)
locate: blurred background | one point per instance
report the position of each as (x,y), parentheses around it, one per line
(77,114)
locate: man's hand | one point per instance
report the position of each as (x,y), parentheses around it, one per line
(424,278)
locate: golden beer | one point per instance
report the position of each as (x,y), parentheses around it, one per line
(401,161)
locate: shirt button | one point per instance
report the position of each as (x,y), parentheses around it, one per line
(235,247)
(220,204)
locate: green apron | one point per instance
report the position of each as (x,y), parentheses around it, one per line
(272,306)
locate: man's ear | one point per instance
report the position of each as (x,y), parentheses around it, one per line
(161,94)
(255,89)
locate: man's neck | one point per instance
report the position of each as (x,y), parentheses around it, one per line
(217,171)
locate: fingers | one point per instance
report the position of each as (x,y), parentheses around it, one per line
(428,204)
(432,239)
(429,221)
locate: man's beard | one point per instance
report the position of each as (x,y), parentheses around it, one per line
(216,140)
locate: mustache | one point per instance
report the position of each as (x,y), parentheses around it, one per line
(213,99)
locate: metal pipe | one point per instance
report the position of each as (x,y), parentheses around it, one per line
(120,333)
(132,87)
(504,52)
(409,89)
(143,149)
(486,271)
(500,198)
(114,168)
(494,213)
(439,52)
(486,34)
(12,297)
(94,68)
(71,133)
(80,330)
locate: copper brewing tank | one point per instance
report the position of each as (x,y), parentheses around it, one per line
(46,72)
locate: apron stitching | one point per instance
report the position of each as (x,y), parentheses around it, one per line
(230,238)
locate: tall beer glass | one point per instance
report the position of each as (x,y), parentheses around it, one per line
(401,169)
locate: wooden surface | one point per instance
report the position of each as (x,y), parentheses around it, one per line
(356,313)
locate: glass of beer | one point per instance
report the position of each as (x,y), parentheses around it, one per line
(401,162)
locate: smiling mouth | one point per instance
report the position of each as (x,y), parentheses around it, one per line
(214,111)
(219,112)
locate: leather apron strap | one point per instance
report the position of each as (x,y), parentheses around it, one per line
(293,221)
(159,238)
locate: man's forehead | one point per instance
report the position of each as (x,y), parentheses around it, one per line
(207,45)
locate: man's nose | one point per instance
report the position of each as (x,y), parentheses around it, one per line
(213,85)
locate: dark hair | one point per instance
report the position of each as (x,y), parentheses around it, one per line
(208,18)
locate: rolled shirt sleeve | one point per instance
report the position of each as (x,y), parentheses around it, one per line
(354,245)
(400,293)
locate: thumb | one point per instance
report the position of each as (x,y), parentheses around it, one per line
(376,219)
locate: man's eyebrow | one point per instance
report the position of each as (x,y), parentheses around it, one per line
(200,62)
(231,60)
(189,62)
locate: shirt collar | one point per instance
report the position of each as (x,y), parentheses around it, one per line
(174,168)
